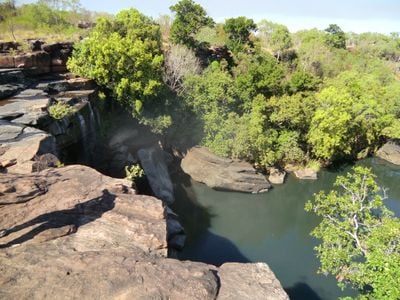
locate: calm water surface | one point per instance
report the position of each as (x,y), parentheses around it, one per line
(271,227)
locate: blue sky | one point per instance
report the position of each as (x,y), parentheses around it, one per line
(351,15)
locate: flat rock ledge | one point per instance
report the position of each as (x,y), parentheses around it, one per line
(390,152)
(223,174)
(73,233)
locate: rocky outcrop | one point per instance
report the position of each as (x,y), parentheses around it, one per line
(72,233)
(276,176)
(19,145)
(249,282)
(44,58)
(30,108)
(155,167)
(306,174)
(390,152)
(222,173)
(11,82)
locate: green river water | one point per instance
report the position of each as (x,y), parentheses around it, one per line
(271,227)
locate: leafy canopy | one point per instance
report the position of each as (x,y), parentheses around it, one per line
(123,55)
(239,30)
(360,237)
(190,17)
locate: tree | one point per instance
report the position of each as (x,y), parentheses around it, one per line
(258,74)
(335,37)
(123,55)
(275,37)
(8,13)
(355,111)
(360,237)
(190,17)
(180,62)
(239,30)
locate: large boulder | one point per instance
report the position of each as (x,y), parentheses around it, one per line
(390,152)
(221,173)
(248,282)
(306,174)
(73,233)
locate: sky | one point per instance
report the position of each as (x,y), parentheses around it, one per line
(351,15)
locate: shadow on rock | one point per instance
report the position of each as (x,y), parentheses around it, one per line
(302,291)
(69,220)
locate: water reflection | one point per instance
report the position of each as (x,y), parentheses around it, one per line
(271,227)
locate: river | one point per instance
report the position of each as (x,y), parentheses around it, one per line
(271,227)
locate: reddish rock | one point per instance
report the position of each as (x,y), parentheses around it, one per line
(7,61)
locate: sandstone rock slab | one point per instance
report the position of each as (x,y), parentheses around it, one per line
(390,152)
(221,173)
(20,145)
(248,282)
(306,174)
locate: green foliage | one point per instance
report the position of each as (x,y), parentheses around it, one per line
(42,17)
(335,37)
(275,37)
(190,17)
(353,113)
(133,172)
(60,110)
(360,237)
(258,74)
(301,81)
(238,31)
(124,55)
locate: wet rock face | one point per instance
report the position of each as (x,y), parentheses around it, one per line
(221,173)
(390,152)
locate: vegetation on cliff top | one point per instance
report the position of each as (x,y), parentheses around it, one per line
(254,92)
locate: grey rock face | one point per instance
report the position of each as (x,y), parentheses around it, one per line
(19,146)
(390,152)
(221,173)
(153,162)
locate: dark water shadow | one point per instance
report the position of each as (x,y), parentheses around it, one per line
(302,291)
(80,214)
(194,217)
(212,249)
(201,244)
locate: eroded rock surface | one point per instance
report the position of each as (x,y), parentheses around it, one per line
(390,152)
(249,281)
(72,233)
(222,173)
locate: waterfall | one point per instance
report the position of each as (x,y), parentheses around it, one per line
(84,133)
